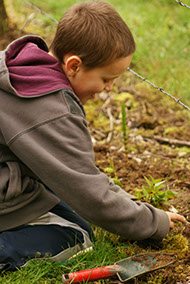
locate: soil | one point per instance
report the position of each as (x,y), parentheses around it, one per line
(154,260)
(148,113)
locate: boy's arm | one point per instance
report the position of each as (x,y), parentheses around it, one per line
(59,151)
(116,188)
(173,217)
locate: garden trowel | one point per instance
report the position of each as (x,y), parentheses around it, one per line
(125,269)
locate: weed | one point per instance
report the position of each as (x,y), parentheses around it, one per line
(154,193)
(111,169)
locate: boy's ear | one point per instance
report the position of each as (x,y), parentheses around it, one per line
(72,65)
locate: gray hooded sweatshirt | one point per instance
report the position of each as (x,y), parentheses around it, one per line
(46,152)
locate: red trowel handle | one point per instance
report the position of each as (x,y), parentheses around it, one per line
(91,274)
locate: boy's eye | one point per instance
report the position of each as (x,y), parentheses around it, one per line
(106,81)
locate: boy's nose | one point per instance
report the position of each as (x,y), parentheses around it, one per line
(109,86)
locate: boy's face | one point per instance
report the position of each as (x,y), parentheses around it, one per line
(88,82)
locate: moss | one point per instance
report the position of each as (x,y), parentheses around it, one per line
(122,97)
(180,130)
(118,128)
(185,150)
(143,88)
(102,121)
(177,244)
(97,117)
(179,269)
(157,280)
(132,149)
(170,130)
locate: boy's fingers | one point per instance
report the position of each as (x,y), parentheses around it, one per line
(180,218)
(176,217)
(171,225)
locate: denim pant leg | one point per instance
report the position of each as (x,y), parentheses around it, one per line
(19,245)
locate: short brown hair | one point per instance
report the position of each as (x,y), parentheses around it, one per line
(95,32)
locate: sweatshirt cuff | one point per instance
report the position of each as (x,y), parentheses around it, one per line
(163,226)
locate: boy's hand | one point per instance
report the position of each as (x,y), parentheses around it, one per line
(175,217)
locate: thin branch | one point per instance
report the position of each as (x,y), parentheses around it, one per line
(154,155)
(169,141)
(29,19)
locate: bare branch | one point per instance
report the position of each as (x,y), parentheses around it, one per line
(170,141)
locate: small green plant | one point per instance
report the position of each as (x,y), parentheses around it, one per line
(154,193)
(124,126)
(111,169)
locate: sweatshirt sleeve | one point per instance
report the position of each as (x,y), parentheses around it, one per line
(59,151)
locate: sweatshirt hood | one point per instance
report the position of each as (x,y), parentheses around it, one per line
(27,70)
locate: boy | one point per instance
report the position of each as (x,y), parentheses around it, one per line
(46,155)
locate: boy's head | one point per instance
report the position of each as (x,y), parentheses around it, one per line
(94,46)
(95,32)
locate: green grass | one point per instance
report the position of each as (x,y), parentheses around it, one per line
(107,250)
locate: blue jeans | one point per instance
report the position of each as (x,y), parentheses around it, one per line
(19,245)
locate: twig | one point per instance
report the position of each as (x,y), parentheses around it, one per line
(169,141)
(154,155)
(101,134)
(29,19)
(107,101)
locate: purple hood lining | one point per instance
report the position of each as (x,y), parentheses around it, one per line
(32,70)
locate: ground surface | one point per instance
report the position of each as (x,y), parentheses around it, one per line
(150,117)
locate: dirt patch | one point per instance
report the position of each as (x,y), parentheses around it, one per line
(149,115)
(131,174)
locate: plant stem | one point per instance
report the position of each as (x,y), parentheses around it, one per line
(124,126)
